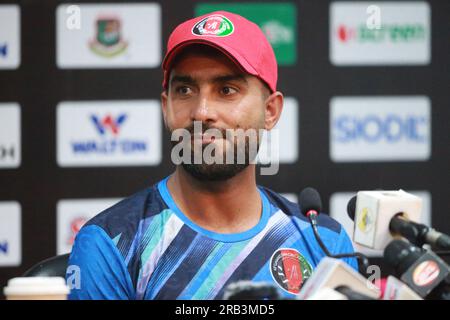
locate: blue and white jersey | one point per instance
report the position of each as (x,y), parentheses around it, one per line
(144,247)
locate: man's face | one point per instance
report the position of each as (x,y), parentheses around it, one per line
(212,90)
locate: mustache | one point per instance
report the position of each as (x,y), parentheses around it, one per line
(205,127)
(232,135)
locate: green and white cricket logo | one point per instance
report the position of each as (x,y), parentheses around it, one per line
(214,25)
(108,40)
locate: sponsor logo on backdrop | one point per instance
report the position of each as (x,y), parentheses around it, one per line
(9,36)
(119,133)
(72,215)
(278,21)
(108,123)
(3,50)
(380,128)
(402,36)
(4,247)
(277,33)
(10,234)
(109,36)
(111,142)
(287,146)
(338,211)
(108,40)
(7,152)
(387,33)
(9,135)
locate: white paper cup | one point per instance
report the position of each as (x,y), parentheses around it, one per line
(36,288)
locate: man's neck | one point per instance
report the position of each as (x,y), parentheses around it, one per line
(230,206)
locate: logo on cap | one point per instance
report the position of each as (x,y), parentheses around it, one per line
(214,25)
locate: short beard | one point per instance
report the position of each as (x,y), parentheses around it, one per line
(217,171)
(214,172)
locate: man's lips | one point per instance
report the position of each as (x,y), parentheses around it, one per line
(204,138)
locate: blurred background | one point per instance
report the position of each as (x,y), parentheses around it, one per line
(367,107)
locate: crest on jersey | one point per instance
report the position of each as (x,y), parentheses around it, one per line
(289,269)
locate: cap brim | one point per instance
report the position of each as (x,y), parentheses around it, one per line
(229,52)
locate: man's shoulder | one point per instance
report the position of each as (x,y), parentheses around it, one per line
(126,215)
(293,210)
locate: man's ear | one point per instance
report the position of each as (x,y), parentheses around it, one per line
(274,106)
(164,99)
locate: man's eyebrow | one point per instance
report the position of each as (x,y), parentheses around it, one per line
(183,79)
(230,77)
(217,79)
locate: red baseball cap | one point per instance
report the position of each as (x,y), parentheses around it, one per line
(238,38)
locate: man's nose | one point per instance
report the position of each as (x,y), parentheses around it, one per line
(204,110)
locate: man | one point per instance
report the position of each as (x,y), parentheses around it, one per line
(208,225)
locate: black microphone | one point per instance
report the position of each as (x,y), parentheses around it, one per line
(351,208)
(422,270)
(416,233)
(311,205)
(352,294)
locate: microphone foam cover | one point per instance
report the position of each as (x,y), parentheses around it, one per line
(310,200)
(351,208)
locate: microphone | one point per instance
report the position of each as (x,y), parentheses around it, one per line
(418,233)
(373,212)
(248,290)
(339,293)
(337,275)
(399,224)
(351,294)
(327,294)
(311,205)
(397,290)
(423,271)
